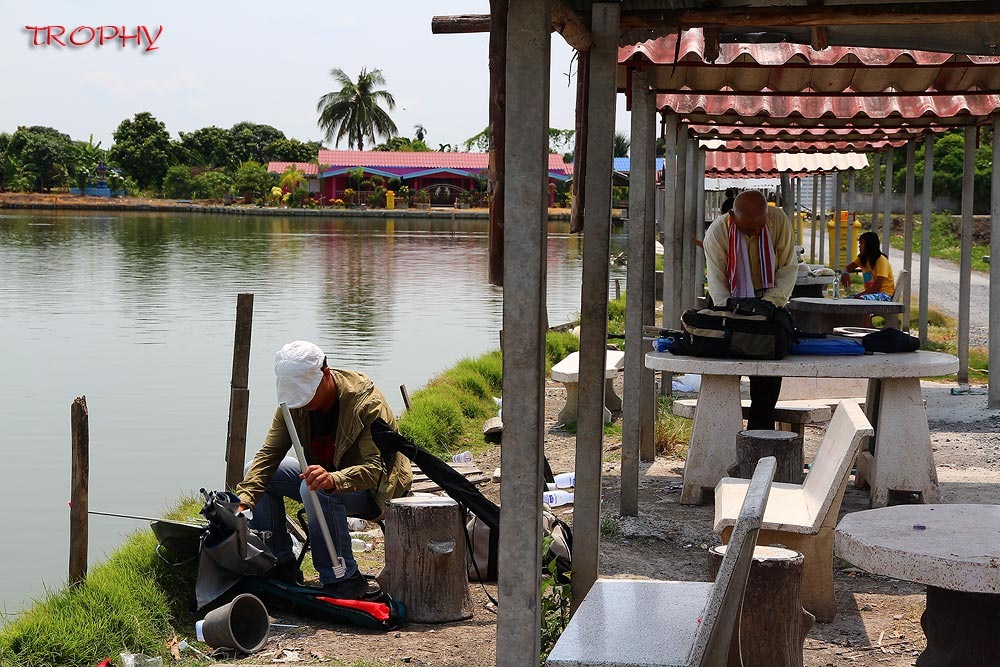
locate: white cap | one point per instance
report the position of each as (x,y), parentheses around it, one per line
(299,369)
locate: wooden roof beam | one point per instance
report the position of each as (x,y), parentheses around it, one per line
(565,21)
(916,13)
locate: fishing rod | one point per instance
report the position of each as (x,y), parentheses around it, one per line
(339,568)
(141,518)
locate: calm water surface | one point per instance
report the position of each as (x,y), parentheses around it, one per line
(137,312)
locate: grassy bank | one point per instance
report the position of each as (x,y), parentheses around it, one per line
(136,602)
(945,241)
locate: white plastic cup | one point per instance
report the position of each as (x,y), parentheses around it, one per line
(557,498)
(199,630)
(464,457)
(565,480)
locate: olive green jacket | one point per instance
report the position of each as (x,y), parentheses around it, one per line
(357,464)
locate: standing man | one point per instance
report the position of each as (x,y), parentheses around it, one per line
(333,411)
(750,255)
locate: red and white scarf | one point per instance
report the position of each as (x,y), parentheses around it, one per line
(738,262)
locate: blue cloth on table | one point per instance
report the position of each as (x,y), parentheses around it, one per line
(836,347)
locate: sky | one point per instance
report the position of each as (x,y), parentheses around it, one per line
(219,63)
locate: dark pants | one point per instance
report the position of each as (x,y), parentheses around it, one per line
(763,396)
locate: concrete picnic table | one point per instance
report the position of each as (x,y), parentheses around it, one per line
(955,551)
(820,315)
(902,458)
(808,284)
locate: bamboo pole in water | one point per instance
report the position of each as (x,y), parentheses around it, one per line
(79,491)
(239,397)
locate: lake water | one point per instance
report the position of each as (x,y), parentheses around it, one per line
(137,312)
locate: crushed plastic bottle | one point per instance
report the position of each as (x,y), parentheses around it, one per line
(356,525)
(359,545)
(464,457)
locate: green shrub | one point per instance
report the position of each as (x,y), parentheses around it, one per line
(489,367)
(558,344)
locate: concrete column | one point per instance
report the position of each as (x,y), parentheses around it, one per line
(925,234)
(526,210)
(911,153)
(594,299)
(823,255)
(993,399)
(813,240)
(640,242)
(699,230)
(680,196)
(838,181)
(887,199)
(690,208)
(876,181)
(965,265)
(798,210)
(671,253)
(786,194)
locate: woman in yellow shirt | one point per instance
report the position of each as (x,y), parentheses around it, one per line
(874,266)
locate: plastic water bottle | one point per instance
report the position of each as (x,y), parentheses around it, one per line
(836,288)
(359,545)
(565,480)
(557,498)
(464,457)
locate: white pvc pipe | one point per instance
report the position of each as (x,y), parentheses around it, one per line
(339,569)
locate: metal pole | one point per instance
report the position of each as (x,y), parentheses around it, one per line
(798,210)
(680,195)
(690,195)
(339,569)
(852,248)
(815,213)
(925,234)
(838,179)
(699,230)
(671,252)
(823,259)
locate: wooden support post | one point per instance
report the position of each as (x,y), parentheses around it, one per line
(594,299)
(887,198)
(772,625)
(406,396)
(965,265)
(498,124)
(425,559)
(786,446)
(911,152)
(699,220)
(79,491)
(525,205)
(239,397)
(876,179)
(690,213)
(993,397)
(925,235)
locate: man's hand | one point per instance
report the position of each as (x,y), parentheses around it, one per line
(317,478)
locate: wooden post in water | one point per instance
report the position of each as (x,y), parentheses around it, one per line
(239,398)
(79,491)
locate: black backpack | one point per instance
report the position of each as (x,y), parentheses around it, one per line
(728,331)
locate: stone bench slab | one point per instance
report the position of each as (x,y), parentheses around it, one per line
(567,371)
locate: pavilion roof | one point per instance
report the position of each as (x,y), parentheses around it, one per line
(758,165)
(304,168)
(771,69)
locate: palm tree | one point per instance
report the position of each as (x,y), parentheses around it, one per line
(622,144)
(354,110)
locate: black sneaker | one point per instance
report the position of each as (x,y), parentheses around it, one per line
(355,587)
(287,572)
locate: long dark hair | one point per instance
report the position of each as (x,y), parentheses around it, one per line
(873,248)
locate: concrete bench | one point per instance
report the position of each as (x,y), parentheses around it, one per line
(803,516)
(668,623)
(567,371)
(791,415)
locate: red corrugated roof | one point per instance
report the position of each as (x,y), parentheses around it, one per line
(912,110)
(792,68)
(725,163)
(773,146)
(420,160)
(306,168)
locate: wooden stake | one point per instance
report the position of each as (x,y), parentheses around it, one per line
(239,397)
(79,492)
(580,147)
(498,124)
(406,396)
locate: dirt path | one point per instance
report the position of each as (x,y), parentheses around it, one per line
(878,623)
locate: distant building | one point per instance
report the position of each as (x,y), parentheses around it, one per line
(308,169)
